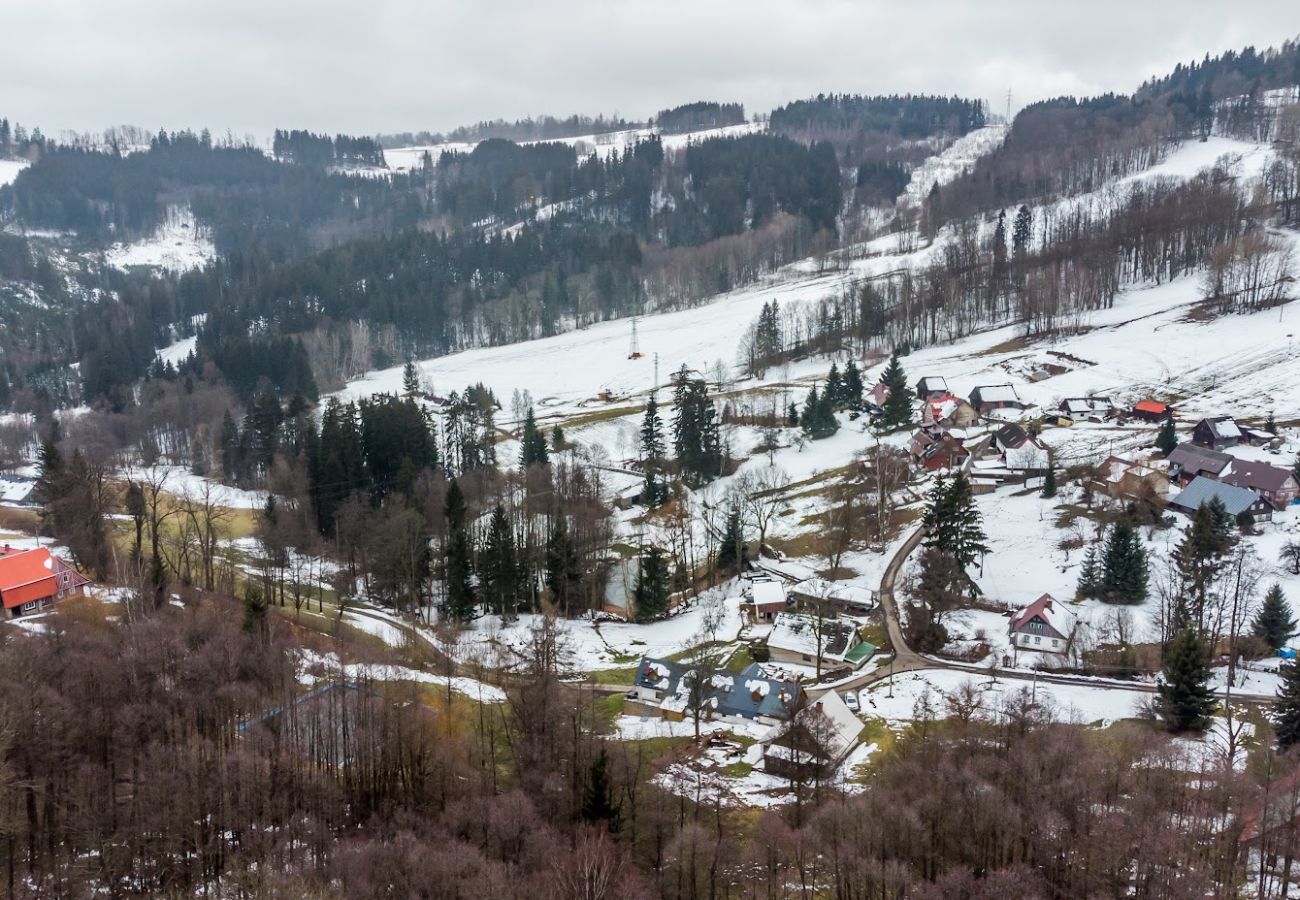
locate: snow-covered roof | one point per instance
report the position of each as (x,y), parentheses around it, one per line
(766,592)
(1235,500)
(838,724)
(797,633)
(997,393)
(15,490)
(1029,455)
(831,590)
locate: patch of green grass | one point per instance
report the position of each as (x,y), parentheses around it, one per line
(610,707)
(626,551)
(737,769)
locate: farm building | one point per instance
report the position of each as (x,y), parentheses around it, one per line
(764,599)
(948,410)
(801,638)
(1151,410)
(1187,461)
(815,741)
(1275,484)
(1091,407)
(987,398)
(931,386)
(844,598)
(1235,500)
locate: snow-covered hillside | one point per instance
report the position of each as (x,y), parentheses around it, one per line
(179,244)
(9,169)
(952,162)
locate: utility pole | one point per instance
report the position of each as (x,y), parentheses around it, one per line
(654,389)
(1008,106)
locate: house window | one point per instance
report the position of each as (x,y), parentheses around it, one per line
(1038,639)
(807,658)
(1054,642)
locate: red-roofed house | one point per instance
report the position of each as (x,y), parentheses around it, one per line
(31,580)
(1043,625)
(948,409)
(1151,410)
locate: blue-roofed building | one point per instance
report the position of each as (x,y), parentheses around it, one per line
(665,685)
(1236,500)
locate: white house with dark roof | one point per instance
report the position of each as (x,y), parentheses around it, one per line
(1044,625)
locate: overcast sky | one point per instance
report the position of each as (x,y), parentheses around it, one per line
(365,66)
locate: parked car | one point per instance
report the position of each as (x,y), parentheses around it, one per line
(851,700)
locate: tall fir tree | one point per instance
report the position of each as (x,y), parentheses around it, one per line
(1286,707)
(598,802)
(835,386)
(852,385)
(1124,568)
(1273,623)
(410,378)
(563,569)
(732,550)
(1167,436)
(1021,231)
(533,450)
(1089,576)
(1049,480)
(1184,698)
(1198,559)
(652,436)
(499,565)
(460,596)
(651,592)
(898,405)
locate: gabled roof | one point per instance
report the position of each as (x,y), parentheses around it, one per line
(995,393)
(1151,407)
(1224,427)
(1058,620)
(755,693)
(1255,476)
(659,674)
(838,723)
(28,575)
(1010,436)
(942,406)
(1190,458)
(1236,500)
(932,383)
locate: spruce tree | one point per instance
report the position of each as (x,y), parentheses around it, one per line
(1184,700)
(563,571)
(1167,436)
(1089,576)
(1286,708)
(598,803)
(654,491)
(792,419)
(1049,480)
(731,553)
(1124,566)
(651,593)
(499,565)
(1270,424)
(1020,232)
(557,439)
(460,600)
(1198,559)
(1273,623)
(834,386)
(533,450)
(652,436)
(410,378)
(852,386)
(969,542)
(898,405)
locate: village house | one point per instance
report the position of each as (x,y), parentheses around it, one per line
(1236,500)
(764,599)
(1188,461)
(847,599)
(1044,625)
(1275,484)
(1151,410)
(664,687)
(935,449)
(1096,408)
(948,410)
(875,398)
(814,742)
(802,638)
(987,398)
(1133,480)
(931,386)
(1020,452)
(1217,433)
(32,580)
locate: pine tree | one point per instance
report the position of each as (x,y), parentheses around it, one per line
(731,553)
(1185,700)
(563,571)
(1270,424)
(835,387)
(1167,437)
(651,593)
(532,451)
(1124,566)
(792,419)
(1000,252)
(557,439)
(852,386)
(1089,576)
(969,542)
(1049,480)
(898,405)
(1286,708)
(654,491)
(1020,232)
(1198,559)
(598,803)
(410,378)
(652,436)
(460,600)
(499,565)
(1273,623)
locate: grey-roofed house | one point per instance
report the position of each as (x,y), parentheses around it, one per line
(1187,461)
(664,685)
(987,398)
(1217,433)
(1235,500)
(931,386)
(794,639)
(1275,484)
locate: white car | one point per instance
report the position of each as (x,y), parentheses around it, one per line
(851,700)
